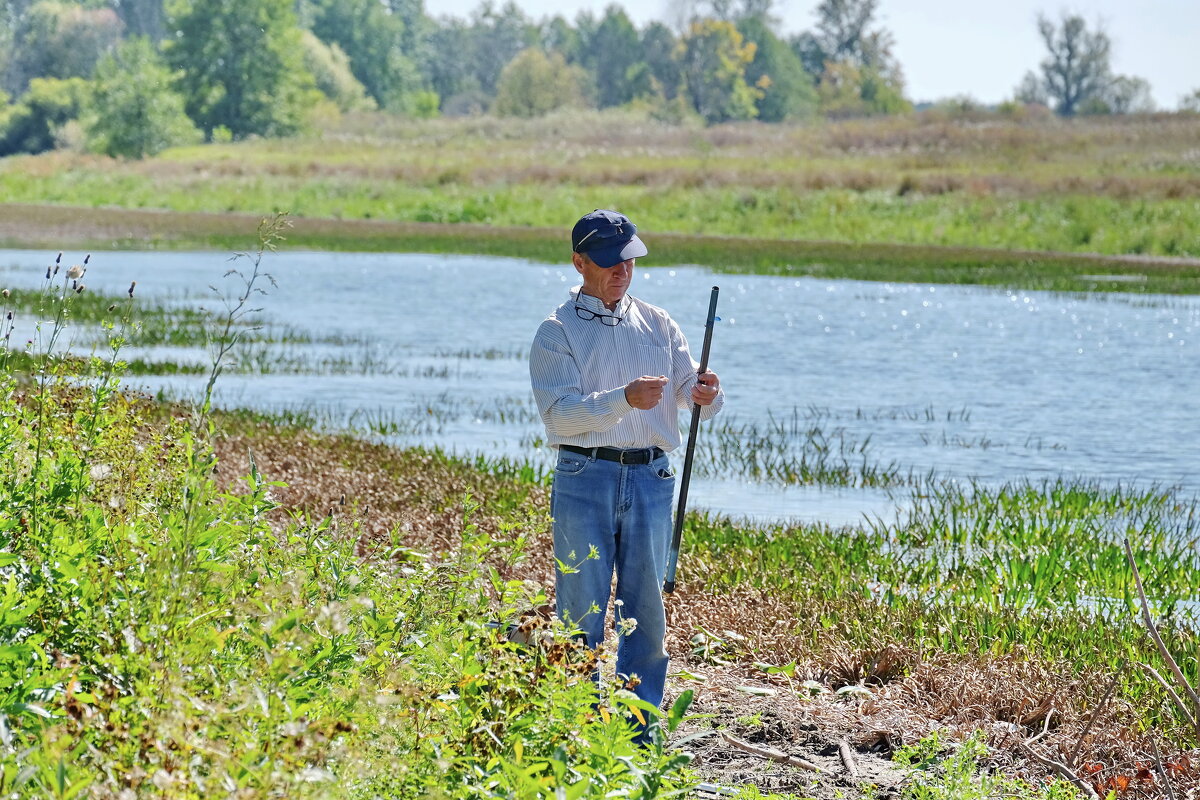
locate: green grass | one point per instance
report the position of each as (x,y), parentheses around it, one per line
(989,200)
(1032,567)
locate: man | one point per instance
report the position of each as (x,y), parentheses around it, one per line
(609,373)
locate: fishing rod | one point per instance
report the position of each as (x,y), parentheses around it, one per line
(673,556)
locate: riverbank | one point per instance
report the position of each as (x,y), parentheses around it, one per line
(319,606)
(791,639)
(55,227)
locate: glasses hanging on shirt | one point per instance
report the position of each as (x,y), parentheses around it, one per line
(610,320)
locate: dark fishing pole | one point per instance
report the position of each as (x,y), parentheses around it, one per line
(673,556)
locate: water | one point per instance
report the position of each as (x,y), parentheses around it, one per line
(971,383)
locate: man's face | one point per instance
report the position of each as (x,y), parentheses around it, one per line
(609,284)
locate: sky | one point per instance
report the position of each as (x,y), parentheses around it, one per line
(979,48)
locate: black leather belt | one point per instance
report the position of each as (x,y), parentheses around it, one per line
(642,456)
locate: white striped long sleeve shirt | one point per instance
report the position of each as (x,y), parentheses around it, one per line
(579,369)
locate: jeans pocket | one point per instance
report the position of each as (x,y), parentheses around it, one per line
(570,464)
(663,469)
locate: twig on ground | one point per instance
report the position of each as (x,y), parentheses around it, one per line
(1162,772)
(769,753)
(1104,698)
(1063,771)
(1190,714)
(848,760)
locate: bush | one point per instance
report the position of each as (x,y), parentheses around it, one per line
(32,125)
(135,113)
(534,84)
(330,67)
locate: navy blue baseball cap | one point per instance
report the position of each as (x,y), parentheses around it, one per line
(607,238)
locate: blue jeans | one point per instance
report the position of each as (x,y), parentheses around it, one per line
(624,512)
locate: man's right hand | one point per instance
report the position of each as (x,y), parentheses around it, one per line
(645,392)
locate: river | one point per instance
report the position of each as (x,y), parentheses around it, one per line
(969,383)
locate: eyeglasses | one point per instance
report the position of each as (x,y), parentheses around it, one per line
(610,320)
(612,230)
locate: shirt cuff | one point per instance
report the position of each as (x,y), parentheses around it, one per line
(617,404)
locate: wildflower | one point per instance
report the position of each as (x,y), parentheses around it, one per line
(75,272)
(58,259)
(87,258)
(112,307)
(6,293)
(131,285)
(79,289)
(47,273)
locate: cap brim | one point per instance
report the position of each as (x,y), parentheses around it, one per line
(608,257)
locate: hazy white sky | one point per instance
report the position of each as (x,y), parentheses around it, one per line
(975,47)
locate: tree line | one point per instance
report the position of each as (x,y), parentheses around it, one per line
(131,77)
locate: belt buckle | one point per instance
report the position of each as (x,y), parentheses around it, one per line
(621,457)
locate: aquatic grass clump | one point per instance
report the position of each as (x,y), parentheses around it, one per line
(1035,566)
(790,451)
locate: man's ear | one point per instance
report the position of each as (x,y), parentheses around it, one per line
(578,261)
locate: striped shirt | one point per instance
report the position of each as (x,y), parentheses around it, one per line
(579,369)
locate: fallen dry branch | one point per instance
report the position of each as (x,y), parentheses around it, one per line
(1162,771)
(1063,771)
(773,755)
(848,760)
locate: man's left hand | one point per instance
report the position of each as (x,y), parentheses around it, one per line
(705,390)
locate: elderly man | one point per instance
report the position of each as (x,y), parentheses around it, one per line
(609,373)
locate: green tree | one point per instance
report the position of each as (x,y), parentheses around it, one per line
(496,38)
(848,90)
(330,67)
(143,17)
(60,40)
(135,112)
(535,83)
(32,125)
(787,90)
(1128,94)
(851,60)
(1076,68)
(1190,103)
(374,40)
(241,66)
(714,58)
(658,48)
(610,53)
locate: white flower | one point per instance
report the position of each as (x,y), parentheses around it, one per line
(75,272)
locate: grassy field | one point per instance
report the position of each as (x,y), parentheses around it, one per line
(985,200)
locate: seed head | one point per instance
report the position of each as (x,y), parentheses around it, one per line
(47,273)
(6,293)
(75,272)
(58,259)
(79,289)
(112,307)
(131,285)
(87,258)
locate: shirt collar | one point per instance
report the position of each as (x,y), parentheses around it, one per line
(594,304)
